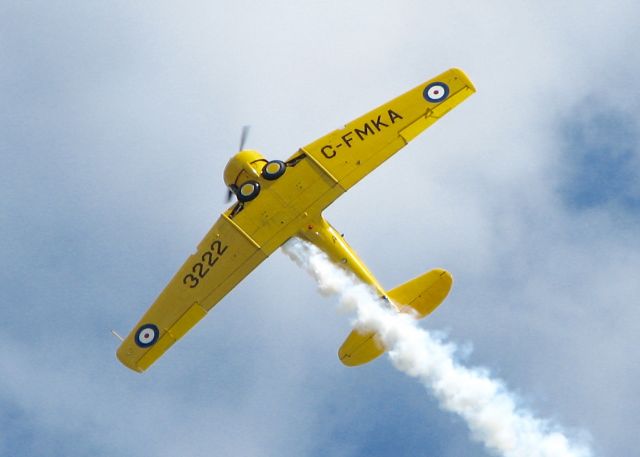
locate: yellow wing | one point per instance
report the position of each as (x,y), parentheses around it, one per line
(237,243)
(350,153)
(224,257)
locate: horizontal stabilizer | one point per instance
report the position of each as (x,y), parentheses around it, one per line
(423,293)
(359,348)
(421,296)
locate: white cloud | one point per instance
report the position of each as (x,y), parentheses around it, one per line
(118,122)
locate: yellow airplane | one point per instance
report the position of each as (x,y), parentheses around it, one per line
(278,200)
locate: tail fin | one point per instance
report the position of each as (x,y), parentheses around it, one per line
(420,295)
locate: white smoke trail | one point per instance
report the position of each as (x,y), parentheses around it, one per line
(484,403)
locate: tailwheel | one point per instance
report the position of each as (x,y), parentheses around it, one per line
(273,170)
(248,191)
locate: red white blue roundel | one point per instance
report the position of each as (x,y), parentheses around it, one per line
(147,335)
(436,92)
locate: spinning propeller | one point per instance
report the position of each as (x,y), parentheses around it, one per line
(243,139)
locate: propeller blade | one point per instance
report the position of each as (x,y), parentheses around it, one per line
(243,139)
(243,136)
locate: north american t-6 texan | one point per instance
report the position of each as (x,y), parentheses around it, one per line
(281,199)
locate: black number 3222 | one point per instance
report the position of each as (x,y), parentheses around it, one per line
(209,259)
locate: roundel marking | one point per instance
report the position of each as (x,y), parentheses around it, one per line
(435,92)
(147,335)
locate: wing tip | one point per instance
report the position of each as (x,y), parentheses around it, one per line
(463,76)
(124,356)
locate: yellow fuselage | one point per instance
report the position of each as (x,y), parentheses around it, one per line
(281,199)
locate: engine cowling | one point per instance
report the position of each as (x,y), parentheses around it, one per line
(244,166)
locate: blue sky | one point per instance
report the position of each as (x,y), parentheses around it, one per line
(601,157)
(116,121)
